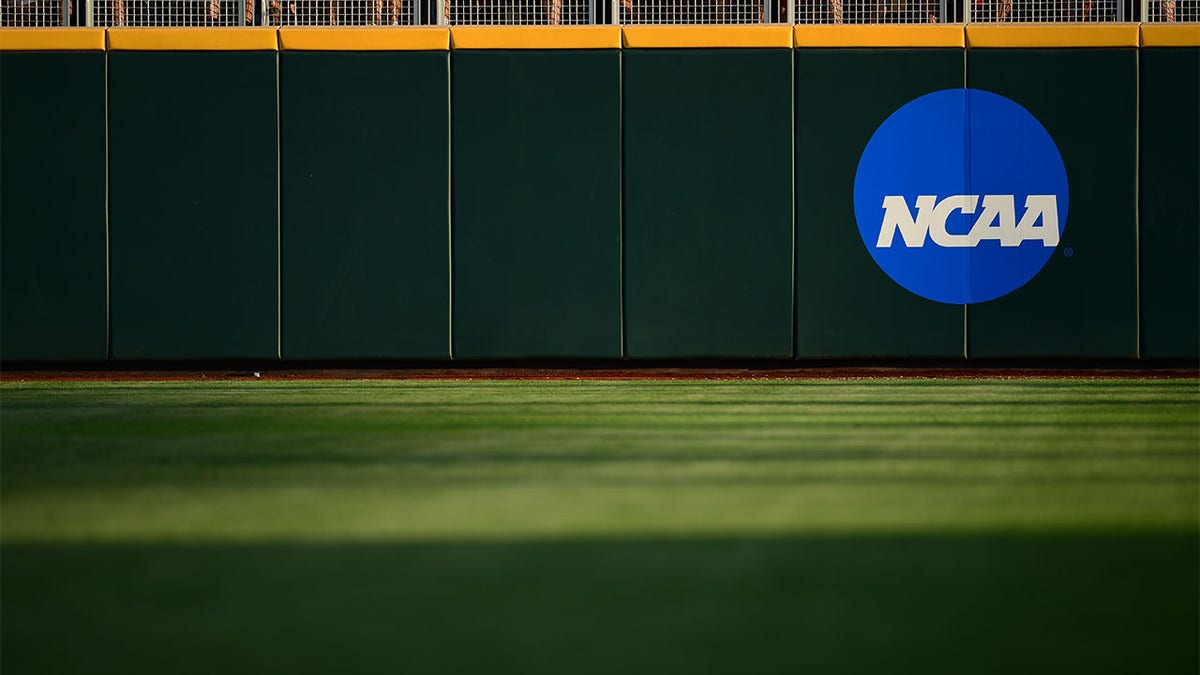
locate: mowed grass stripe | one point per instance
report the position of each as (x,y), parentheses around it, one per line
(317,461)
(891,526)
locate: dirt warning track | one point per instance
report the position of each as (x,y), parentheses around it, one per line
(532,373)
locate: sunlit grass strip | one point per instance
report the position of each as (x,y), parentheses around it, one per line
(405,461)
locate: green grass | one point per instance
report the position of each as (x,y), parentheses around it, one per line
(578,527)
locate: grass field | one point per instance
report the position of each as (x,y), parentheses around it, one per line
(601,527)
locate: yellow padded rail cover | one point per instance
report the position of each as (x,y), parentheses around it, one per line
(880,36)
(1181,35)
(1054,35)
(193,39)
(364,39)
(52,39)
(707,36)
(535,37)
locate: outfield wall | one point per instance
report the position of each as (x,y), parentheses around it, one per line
(598,192)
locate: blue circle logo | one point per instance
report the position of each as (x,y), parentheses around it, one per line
(961,196)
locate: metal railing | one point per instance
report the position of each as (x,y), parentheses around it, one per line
(166,13)
(35,13)
(340,13)
(1170,11)
(872,11)
(677,12)
(1046,11)
(201,13)
(518,12)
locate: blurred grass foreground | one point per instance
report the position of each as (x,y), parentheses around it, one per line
(907,526)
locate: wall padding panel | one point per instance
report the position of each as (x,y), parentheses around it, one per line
(708,218)
(1084,301)
(365,211)
(193,228)
(1170,217)
(845,305)
(537,199)
(53,304)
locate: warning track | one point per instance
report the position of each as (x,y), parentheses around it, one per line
(476,373)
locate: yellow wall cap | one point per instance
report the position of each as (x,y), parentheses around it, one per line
(1166,35)
(52,39)
(193,39)
(369,39)
(1053,35)
(597,37)
(536,37)
(881,36)
(707,36)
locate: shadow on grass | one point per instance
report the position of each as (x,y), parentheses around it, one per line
(920,604)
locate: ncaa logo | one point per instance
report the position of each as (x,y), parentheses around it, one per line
(961,196)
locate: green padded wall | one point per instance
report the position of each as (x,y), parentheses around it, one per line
(1170,217)
(585,183)
(365,205)
(708,214)
(192,219)
(1084,301)
(53,278)
(845,305)
(537,220)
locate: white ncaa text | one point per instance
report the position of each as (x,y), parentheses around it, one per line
(996,221)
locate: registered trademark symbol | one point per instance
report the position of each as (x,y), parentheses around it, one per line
(1068,252)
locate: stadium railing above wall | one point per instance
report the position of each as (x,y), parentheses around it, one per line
(225,13)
